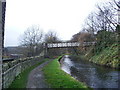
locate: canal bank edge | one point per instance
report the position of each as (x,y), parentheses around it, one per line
(56,78)
(109,57)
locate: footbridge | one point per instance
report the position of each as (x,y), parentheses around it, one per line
(65,45)
(68,44)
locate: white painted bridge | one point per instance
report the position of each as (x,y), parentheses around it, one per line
(67,44)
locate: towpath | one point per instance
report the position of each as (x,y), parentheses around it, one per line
(36,78)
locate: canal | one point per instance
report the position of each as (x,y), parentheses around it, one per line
(93,75)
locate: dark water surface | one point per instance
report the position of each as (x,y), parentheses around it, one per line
(93,75)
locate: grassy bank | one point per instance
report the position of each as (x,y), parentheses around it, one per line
(57,78)
(108,57)
(21,79)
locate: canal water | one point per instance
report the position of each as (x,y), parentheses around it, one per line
(93,75)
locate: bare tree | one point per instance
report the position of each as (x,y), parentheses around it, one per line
(102,25)
(31,40)
(117,3)
(108,17)
(51,37)
(104,18)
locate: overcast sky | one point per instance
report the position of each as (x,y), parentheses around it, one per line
(63,16)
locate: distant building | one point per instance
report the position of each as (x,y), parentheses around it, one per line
(13,52)
(16,56)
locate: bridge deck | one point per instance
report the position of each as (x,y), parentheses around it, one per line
(69,44)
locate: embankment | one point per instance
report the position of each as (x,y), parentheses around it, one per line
(110,57)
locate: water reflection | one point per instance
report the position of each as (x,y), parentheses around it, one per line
(93,75)
(67,64)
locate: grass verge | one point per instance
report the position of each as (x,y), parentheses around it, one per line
(21,80)
(57,78)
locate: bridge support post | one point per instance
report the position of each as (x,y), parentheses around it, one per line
(45,50)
